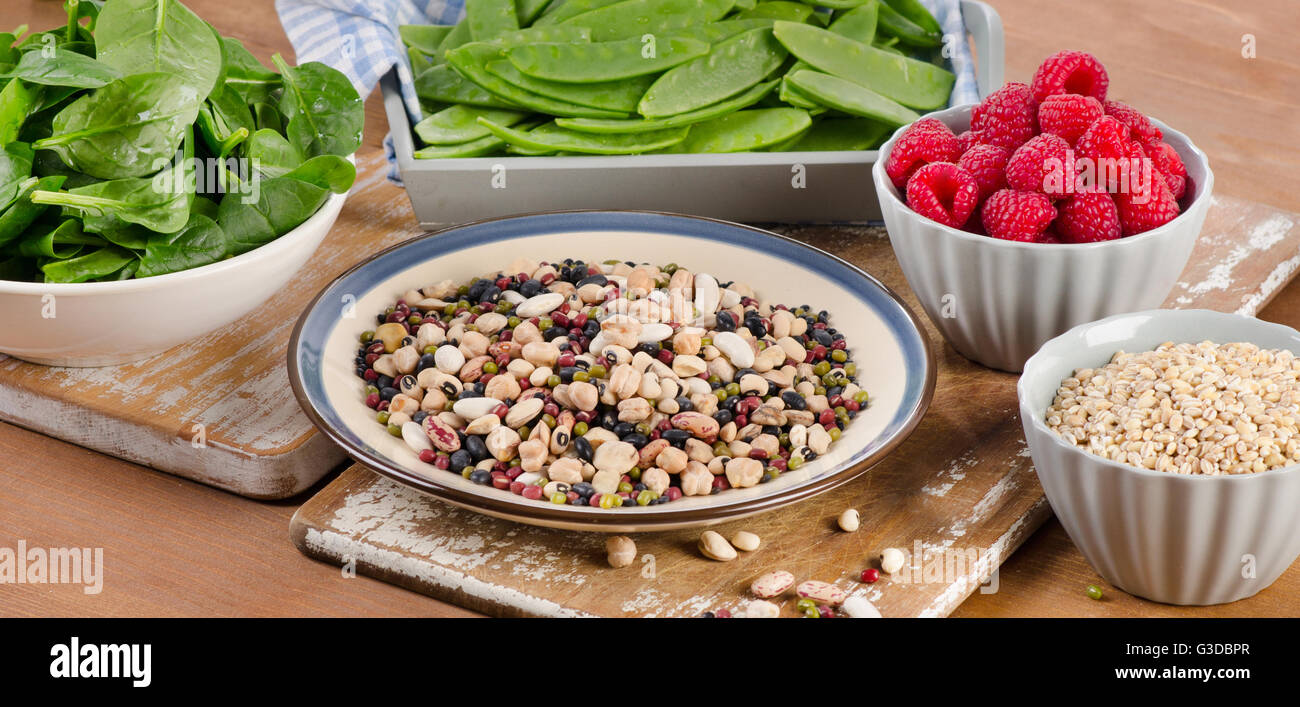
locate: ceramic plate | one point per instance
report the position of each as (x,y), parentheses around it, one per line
(895,362)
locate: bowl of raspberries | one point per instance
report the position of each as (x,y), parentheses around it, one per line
(1044,206)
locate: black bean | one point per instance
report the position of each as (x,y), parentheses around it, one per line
(383,381)
(638,487)
(600,280)
(554,333)
(757,328)
(476,290)
(583,448)
(566,373)
(636,439)
(530,287)
(651,348)
(684,404)
(730,402)
(426,361)
(579,501)
(584,489)
(794,400)
(482,477)
(726,322)
(591,329)
(476,447)
(460,459)
(722,417)
(608,419)
(419,416)
(623,429)
(388,393)
(676,438)
(821,337)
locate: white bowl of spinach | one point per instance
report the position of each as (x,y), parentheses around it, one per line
(156,180)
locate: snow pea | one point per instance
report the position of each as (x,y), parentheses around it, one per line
(425,38)
(443,85)
(916,84)
(470,61)
(621,96)
(459,35)
(549,136)
(561,10)
(790,94)
(601,61)
(547,33)
(836,4)
(744,100)
(731,67)
(490,18)
(458,124)
(714,32)
(746,130)
(488,145)
(858,24)
(830,134)
(745,4)
(528,10)
(916,12)
(635,18)
(780,10)
(854,99)
(907,31)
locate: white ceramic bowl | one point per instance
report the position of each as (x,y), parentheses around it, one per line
(1168,537)
(997,301)
(107,323)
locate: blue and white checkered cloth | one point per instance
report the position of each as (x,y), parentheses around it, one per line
(359,38)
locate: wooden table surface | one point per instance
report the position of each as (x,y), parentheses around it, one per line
(178,548)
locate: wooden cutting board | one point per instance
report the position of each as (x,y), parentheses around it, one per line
(959,495)
(218,410)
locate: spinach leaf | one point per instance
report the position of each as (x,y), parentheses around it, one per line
(282,204)
(16,160)
(204,206)
(224,121)
(246,75)
(57,238)
(201,242)
(22,211)
(267,117)
(62,67)
(125,128)
(325,113)
(94,265)
(18,100)
(47,163)
(327,172)
(272,154)
(142,36)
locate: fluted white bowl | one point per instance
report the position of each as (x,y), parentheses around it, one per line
(997,301)
(1173,538)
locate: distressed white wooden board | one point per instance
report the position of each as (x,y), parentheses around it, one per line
(255,441)
(963,484)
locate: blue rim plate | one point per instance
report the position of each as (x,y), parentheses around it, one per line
(895,360)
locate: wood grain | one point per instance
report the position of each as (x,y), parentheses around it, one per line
(175,547)
(960,491)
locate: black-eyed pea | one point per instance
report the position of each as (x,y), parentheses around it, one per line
(798,435)
(614,355)
(532,455)
(728,432)
(698,451)
(649,388)
(892,560)
(850,520)
(798,327)
(672,460)
(620,551)
(410,385)
(562,435)
(656,480)
(717,466)
(566,470)
(782,377)
(429,334)
(805,372)
(744,473)
(641,362)
(405,359)
(634,410)
(710,353)
(819,440)
(781,321)
(668,406)
(696,480)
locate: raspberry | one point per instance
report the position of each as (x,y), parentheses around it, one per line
(1049,236)
(988,165)
(1166,160)
(967,140)
(1070,72)
(925,141)
(944,192)
(1088,218)
(1017,215)
(1140,215)
(1138,124)
(1045,164)
(1068,115)
(1106,143)
(1006,118)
